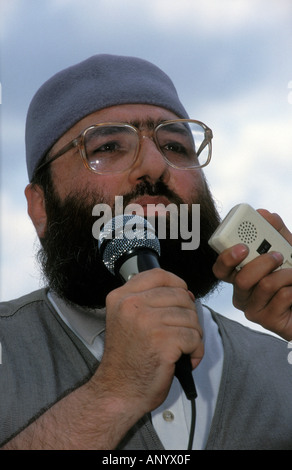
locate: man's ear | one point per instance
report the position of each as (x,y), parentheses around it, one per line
(36,208)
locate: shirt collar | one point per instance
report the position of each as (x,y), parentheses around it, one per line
(86,322)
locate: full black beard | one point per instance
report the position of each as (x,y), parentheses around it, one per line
(71,261)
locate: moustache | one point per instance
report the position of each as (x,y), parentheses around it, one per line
(145,188)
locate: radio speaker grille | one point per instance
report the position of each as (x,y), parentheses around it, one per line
(247,232)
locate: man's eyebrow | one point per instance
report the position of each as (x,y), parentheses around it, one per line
(147,123)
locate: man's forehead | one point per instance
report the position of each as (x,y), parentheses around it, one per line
(138,115)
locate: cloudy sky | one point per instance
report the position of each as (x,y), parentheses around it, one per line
(230,60)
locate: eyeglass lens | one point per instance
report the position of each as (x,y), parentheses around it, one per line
(110,147)
(114,147)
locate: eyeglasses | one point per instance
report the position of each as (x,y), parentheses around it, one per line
(111,147)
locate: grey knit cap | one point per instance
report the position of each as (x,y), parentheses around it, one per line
(96,83)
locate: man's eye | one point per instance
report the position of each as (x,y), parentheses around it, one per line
(107,147)
(175,147)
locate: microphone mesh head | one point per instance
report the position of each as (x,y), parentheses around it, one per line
(124,233)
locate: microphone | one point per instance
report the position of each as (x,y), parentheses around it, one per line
(128,245)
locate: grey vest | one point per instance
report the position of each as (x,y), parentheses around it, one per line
(42,361)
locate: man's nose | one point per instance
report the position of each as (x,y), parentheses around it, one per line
(150,163)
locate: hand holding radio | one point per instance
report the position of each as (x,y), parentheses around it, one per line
(255,255)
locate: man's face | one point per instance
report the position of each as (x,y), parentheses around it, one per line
(70,175)
(69,254)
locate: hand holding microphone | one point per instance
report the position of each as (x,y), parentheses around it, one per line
(128,246)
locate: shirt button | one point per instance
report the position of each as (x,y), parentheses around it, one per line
(168,415)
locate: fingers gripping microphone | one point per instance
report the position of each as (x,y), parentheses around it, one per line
(128,245)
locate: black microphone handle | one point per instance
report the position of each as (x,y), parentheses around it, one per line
(142,260)
(183,372)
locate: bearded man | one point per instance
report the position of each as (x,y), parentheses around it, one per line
(90,361)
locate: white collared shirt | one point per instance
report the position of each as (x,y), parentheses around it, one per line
(172,419)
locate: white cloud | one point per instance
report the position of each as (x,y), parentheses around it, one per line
(172,17)
(8,9)
(252,150)
(252,163)
(219,17)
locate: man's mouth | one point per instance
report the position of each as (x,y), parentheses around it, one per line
(149,205)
